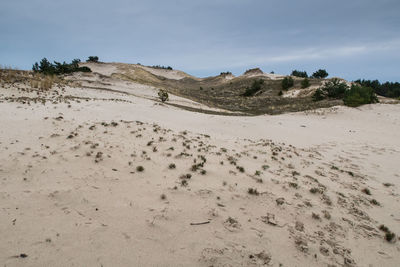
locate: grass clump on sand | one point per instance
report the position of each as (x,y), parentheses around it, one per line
(389,235)
(172,166)
(253,191)
(366,191)
(140,168)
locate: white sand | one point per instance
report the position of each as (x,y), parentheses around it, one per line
(61,208)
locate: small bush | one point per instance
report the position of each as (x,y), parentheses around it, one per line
(255,87)
(172,166)
(195,167)
(375,202)
(287,82)
(359,95)
(163,95)
(93,59)
(318,95)
(316,216)
(366,191)
(140,168)
(253,191)
(389,236)
(383,228)
(314,190)
(301,74)
(320,74)
(305,83)
(239,168)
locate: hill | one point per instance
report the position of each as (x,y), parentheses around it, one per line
(96,171)
(222,92)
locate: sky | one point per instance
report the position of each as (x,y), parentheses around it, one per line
(349,38)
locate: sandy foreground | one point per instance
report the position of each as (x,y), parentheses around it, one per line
(302,189)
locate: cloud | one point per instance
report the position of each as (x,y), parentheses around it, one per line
(203,36)
(241,58)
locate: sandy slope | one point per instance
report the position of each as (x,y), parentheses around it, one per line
(71,194)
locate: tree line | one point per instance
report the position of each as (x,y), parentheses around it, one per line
(57,68)
(387,89)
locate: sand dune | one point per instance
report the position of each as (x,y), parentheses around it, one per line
(94,177)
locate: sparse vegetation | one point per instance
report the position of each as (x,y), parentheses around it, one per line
(375,202)
(305,83)
(301,74)
(253,191)
(140,168)
(295,173)
(314,190)
(318,95)
(316,216)
(184,182)
(172,166)
(389,236)
(255,87)
(383,228)
(194,167)
(287,82)
(366,191)
(239,168)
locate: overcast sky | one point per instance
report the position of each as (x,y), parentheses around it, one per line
(351,39)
